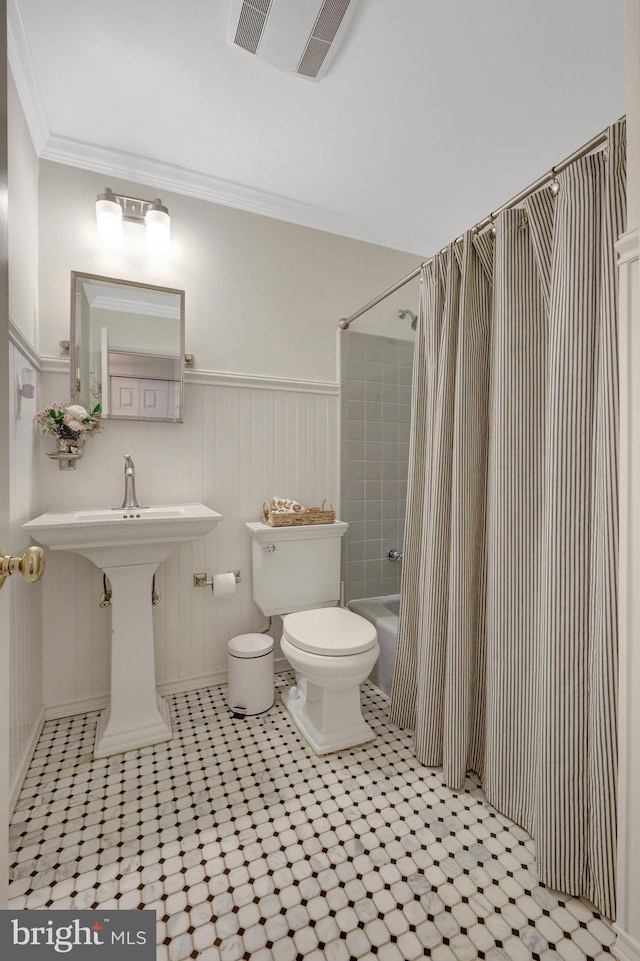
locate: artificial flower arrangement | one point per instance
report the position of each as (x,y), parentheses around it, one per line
(70,424)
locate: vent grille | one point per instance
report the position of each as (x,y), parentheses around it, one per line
(313,57)
(300,36)
(329,19)
(322,36)
(253,17)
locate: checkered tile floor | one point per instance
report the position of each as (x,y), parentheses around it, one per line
(250,847)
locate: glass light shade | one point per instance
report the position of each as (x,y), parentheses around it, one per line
(108,219)
(158,227)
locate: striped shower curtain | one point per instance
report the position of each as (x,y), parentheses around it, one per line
(507,649)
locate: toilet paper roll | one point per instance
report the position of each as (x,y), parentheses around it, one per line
(224,584)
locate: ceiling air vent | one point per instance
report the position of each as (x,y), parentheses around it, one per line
(300,36)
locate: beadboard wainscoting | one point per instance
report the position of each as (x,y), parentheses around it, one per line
(26,702)
(243,441)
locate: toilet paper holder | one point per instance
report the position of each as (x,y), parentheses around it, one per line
(203,580)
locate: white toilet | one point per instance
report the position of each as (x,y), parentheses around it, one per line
(296,574)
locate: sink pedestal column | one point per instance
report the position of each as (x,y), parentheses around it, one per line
(128,545)
(137,716)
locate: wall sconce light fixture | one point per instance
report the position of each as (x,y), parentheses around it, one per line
(26,387)
(112,209)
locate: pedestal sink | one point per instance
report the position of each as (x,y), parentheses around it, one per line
(128,545)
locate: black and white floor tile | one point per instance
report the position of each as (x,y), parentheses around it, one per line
(251,848)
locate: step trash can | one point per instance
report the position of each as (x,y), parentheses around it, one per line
(250,665)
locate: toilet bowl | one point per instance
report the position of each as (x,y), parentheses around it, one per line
(296,575)
(332,651)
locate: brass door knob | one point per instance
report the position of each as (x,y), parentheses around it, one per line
(30,565)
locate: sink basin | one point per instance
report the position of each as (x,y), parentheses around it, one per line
(128,545)
(130,536)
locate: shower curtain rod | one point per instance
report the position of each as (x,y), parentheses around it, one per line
(587,148)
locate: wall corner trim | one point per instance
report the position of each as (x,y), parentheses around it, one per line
(26,348)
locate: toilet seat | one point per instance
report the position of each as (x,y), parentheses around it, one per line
(331,631)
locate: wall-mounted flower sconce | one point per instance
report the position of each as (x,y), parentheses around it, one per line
(112,209)
(70,424)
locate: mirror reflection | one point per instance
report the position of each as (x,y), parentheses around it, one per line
(127,348)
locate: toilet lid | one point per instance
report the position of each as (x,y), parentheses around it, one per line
(329,630)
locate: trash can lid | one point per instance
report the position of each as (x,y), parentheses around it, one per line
(250,645)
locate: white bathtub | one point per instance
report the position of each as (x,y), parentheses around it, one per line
(383,613)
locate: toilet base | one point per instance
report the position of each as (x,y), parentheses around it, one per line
(350,730)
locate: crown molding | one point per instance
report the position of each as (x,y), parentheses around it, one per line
(24,74)
(190,183)
(171,177)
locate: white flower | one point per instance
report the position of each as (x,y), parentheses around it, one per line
(77,412)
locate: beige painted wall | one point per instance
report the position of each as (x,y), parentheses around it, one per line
(262,296)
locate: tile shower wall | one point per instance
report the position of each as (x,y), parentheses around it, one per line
(375,383)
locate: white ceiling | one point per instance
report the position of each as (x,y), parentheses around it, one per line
(432,113)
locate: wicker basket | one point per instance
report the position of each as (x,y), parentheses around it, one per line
(312,515)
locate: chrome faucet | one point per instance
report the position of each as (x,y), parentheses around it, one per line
(130,499)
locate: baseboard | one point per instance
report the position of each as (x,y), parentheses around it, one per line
(210,680)
(166,688)
(26,761)
(626,948)
(81,706)
(186,684)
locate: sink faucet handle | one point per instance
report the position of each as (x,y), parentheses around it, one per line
(128,462)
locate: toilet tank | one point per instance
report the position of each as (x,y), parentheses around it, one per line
(295,568)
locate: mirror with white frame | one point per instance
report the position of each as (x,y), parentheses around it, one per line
(127,348)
